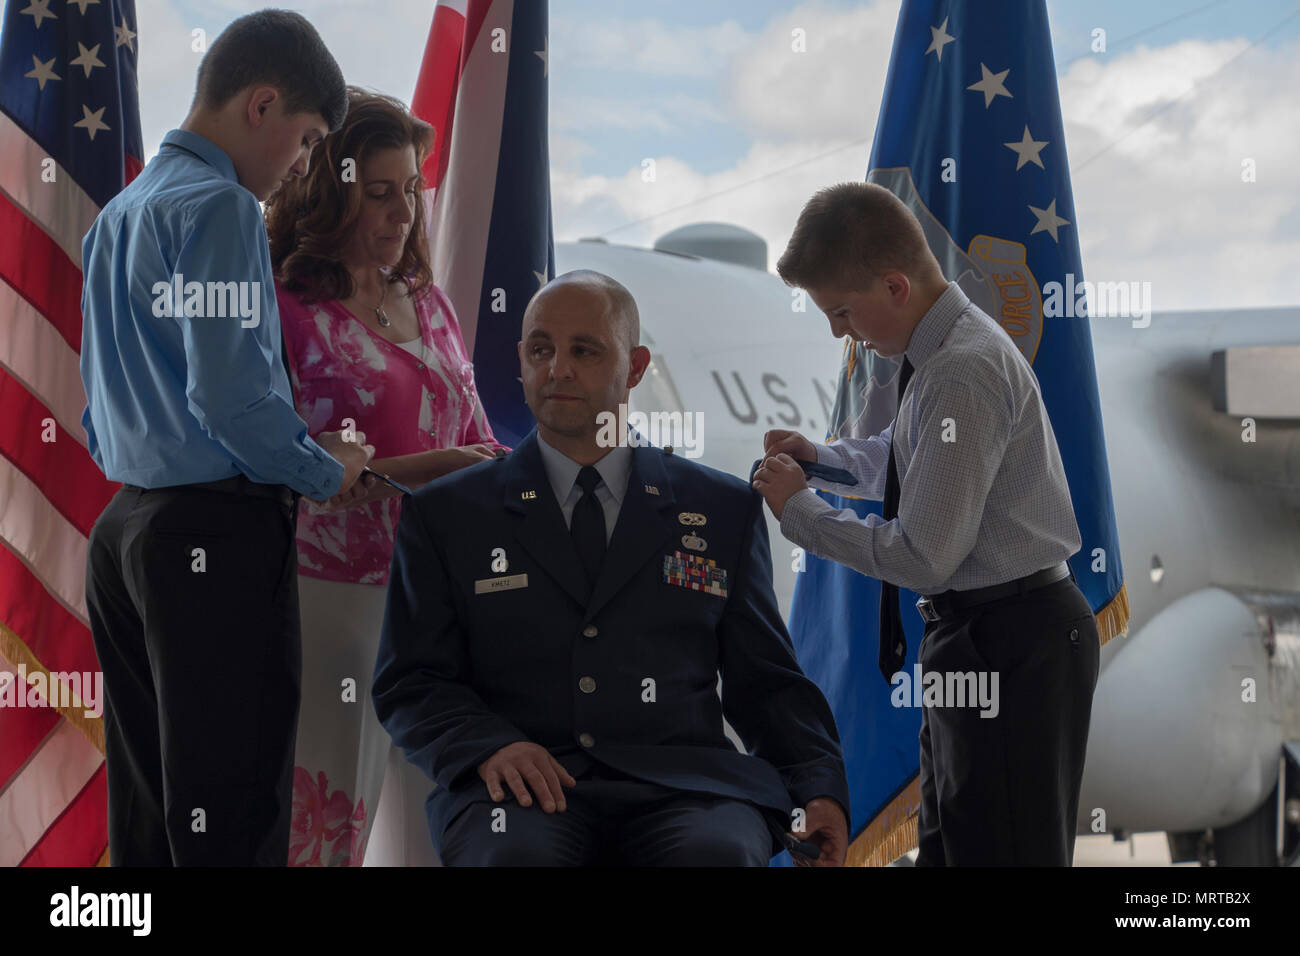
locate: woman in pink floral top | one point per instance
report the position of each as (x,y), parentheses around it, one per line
(374,346)
(407,398)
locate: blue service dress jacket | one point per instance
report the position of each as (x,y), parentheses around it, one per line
(489,637)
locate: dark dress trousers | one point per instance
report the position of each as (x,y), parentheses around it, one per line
(1004,791)
(193,600)
(490,637)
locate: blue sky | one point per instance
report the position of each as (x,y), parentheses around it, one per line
(707,89)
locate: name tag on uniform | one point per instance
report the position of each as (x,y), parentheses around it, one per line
(510,582)
(696,572)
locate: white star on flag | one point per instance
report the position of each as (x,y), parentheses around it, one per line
(545,53)
(990,84)
(91,122)
(38,10)
(939,38)
(42,71)
(89,59)
(124,36)
(541,278)
(1048,220)
(81,4)
(1027,150)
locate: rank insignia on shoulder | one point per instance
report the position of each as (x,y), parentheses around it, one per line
(696,572)
(651,490)
(693,519)
(694,542)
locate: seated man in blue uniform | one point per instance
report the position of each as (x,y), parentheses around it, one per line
(556,623)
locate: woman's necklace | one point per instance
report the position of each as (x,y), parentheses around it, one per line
(380,314)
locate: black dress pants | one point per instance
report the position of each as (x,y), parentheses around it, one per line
(193,603)
(1004,790)
(611,819)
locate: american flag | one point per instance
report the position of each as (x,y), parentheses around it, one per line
(482,86)
(69,140)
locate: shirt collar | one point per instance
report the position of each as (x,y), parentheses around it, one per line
(936,324)
(204,149)
(562,471)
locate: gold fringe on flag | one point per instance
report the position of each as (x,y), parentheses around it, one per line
(893,832)
(16,652)
(1112,620)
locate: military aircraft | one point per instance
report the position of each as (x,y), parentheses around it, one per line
(1196,718)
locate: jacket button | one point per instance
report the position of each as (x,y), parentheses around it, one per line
(587,685)
(590,631)
(587,740)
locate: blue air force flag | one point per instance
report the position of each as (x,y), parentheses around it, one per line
(970,138)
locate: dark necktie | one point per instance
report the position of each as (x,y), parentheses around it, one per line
(588,524)
(893,643)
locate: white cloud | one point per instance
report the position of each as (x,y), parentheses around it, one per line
(831,91)
(1165,203)
(643,46)
(377,52)
(793,104)
(168,67)
(662,114)
(591,205)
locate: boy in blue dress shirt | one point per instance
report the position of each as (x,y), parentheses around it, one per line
(191,578)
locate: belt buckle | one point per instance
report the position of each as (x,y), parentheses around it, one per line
(926,607)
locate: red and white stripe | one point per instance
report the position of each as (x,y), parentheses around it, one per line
(460,75)
(53,798)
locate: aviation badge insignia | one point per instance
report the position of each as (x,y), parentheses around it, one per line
(694,542)
(693,519)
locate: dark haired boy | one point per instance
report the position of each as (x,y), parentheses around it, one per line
(191,577)
(977,518)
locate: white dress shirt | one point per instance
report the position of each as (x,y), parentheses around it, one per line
(984,499)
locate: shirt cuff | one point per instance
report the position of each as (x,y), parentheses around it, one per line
(799,514)
(319,479)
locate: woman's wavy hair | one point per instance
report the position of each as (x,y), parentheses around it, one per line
(308,220)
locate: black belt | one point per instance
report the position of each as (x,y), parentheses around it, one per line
(241,485)
(954,602)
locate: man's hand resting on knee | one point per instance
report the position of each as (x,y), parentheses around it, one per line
(524,761)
